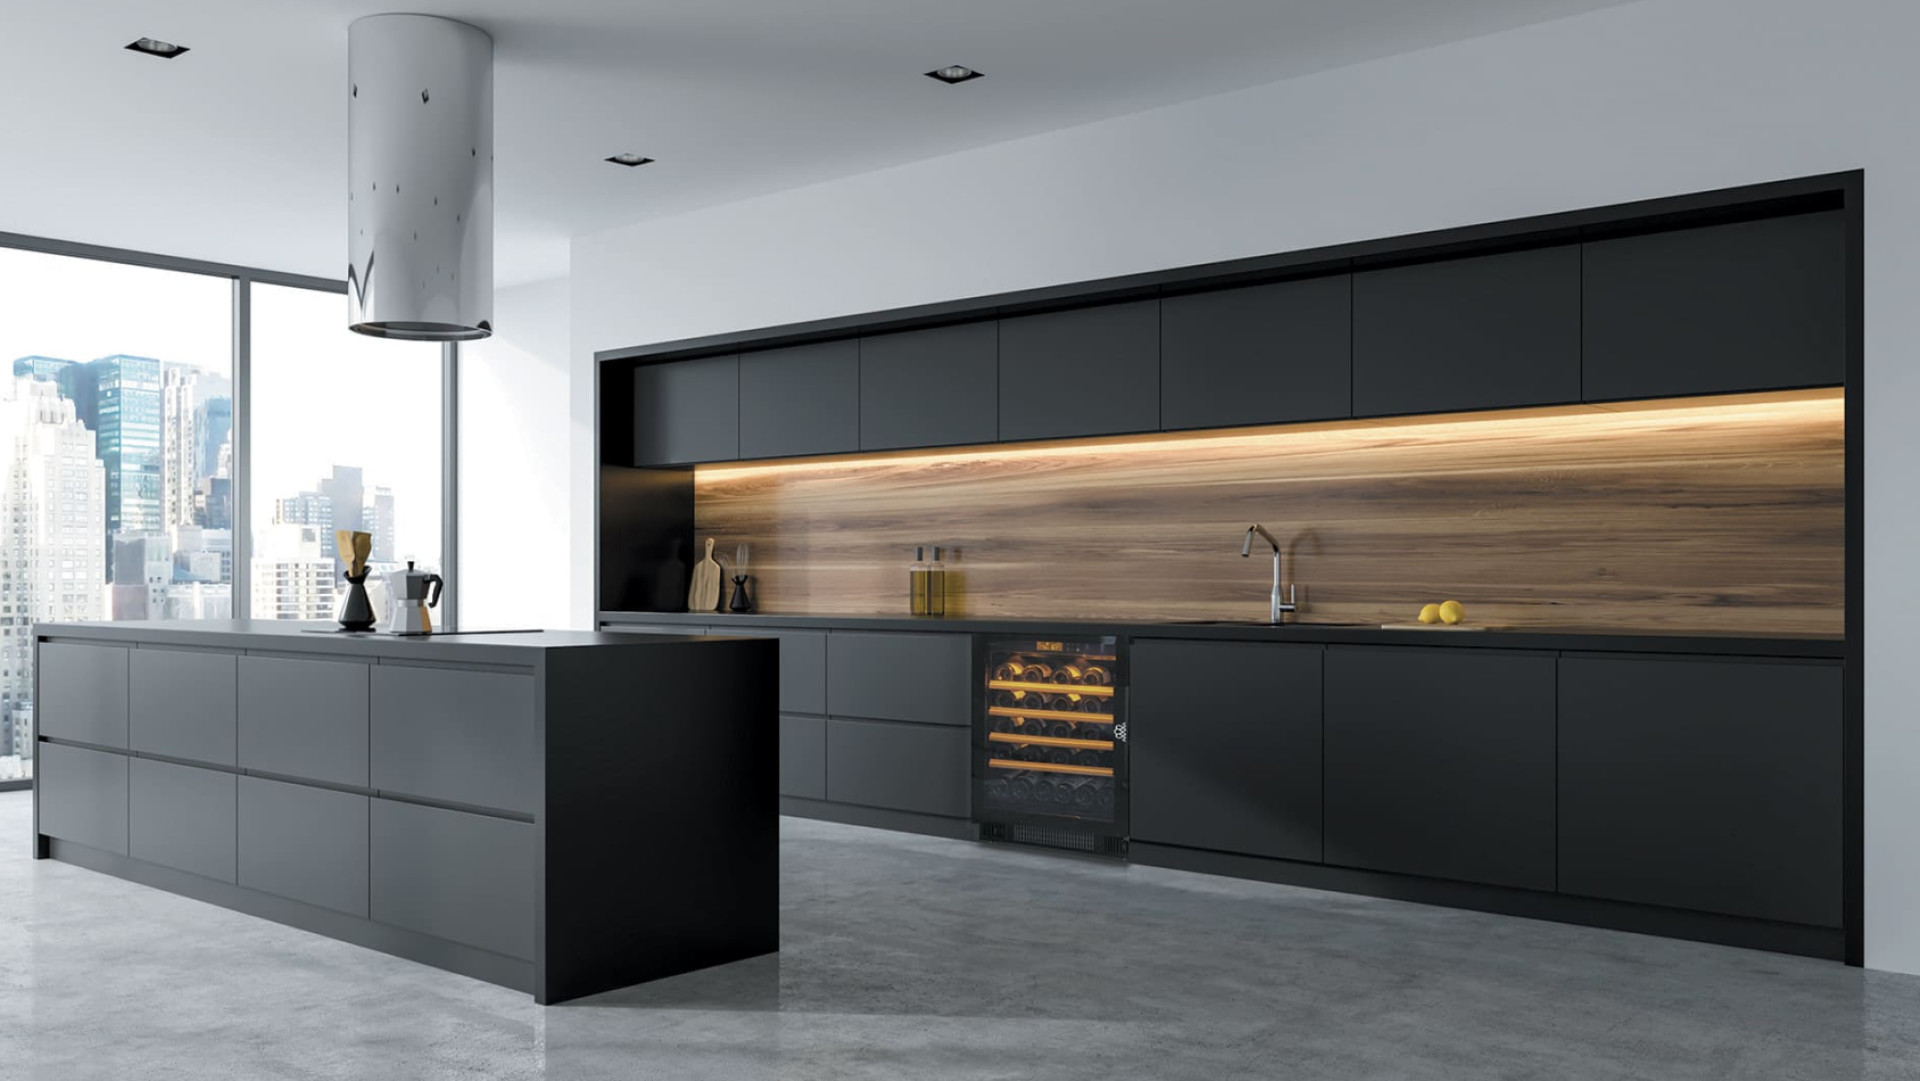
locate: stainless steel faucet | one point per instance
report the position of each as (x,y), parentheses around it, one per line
(1280,607)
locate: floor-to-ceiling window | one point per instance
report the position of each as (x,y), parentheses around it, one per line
(131,481)
(345,435)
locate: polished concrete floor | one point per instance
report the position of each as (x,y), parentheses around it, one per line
(909,958)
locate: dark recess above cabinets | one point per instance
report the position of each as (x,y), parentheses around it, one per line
(1714,294)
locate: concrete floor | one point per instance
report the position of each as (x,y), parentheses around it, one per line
(910,958)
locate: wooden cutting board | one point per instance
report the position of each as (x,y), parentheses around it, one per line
(704,594)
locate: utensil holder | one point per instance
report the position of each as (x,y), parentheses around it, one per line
(741,602)
(357,613)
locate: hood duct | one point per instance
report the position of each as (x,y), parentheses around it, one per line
(420,176)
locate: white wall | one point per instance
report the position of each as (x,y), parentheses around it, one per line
(1647,100)
(515,532)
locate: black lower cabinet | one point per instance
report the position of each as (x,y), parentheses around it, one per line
(1439,762)
(1702,783)
(921,768)
(1224,747)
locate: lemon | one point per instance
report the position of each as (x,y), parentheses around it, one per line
(1452,612)
(1430,614)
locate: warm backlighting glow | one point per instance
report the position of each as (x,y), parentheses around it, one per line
(1697,515)
(1546,422)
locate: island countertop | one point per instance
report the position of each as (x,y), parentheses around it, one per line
(513,647)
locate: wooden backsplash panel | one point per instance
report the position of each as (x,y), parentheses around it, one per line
(1717,517)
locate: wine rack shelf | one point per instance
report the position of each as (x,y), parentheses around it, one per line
(1052,741)
(1050,688)
(1051,767)
(1050,714)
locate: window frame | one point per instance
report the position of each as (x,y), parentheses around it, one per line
(241,356)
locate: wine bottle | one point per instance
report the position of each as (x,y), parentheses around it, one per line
(1060,729)
(936,585)
(1090,704)
(1004,699)
(1036,672)
(1093,675)
(1062,794)
(1003,724)
(1042,790)
(1069,674)
(1091,731)
(1020,788)
(1105,796)
(1086,796)
(996,788)
(1086,757)
(1003,673)
(1059,756)
(917,582)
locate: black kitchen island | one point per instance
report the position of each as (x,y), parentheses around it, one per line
(562,813)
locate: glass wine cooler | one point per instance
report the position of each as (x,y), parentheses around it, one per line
(1050,744)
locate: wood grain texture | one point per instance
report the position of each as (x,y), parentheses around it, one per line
(1721,515)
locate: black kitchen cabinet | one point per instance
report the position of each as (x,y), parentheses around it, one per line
(930,388)
(899,767)
(1756,305)
(1440,762)
(1266,354)
(686,411)
(801,400)
(1091,371)
(1483,332)
(1702,783)
(1224,747)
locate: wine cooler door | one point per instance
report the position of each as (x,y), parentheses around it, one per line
(1050,746)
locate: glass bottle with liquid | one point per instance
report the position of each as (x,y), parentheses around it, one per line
(918,574)
(936,585)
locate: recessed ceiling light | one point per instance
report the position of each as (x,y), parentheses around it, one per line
(953,73)
(630,160)
(165,50)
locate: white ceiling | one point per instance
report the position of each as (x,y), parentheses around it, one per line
(236,151)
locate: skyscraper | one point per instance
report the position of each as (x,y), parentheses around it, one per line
(53,528)
(119,397)
(380,520)
(180,445)
(213,424)
(307,508)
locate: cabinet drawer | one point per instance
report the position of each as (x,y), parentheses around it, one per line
(83,693)
(900,677)
(803,757)
(803,670)
(83,796)
(454,735)
(1461,793)
(1703,783)
(183,704)
(1224,747)
(304,718)
(182,817)
(306,844)
(462,877)
(905,767)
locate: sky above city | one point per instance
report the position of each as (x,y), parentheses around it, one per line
(324,394)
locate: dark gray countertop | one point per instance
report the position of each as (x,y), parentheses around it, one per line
(519,648)
(1757,644)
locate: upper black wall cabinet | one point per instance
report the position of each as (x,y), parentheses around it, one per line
(1721,293)
(1092,371)
(1266,354)
(1755,305)
(687,412)
(803,400)
(930,388)
(1486,332)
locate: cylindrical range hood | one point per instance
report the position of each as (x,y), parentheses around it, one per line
(420,175)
